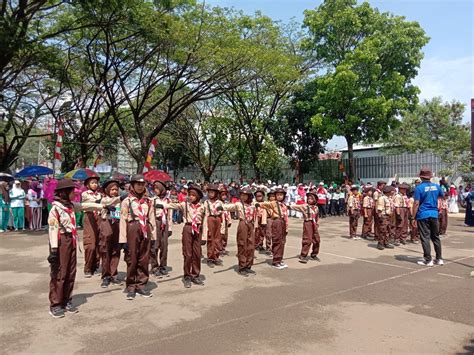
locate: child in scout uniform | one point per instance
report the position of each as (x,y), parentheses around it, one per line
(213,219)
(62,247)
(91,227)
(137,230)
(400,203)
(443,208)
(384,213)
(377,193)
(159,249)
(279,213)
(246,213)
(353,209)
(368,214)
(193,215)
(261,226)
(414,236)
(310,227)
(268,231)
(226,221)
(109,230)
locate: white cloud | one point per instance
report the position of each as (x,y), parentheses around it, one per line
(448,78)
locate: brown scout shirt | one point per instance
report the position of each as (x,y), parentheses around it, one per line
(129,212)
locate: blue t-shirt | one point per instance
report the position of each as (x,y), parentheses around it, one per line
(427,193)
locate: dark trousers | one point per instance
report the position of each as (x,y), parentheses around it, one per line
(333,207)
(91,243)
(278,239)
(159,255)
(368,221)
(109,247)
(428,229)
(341,206)
(310,237)
(64,274)
(353,223)
(139,252)
(443,222)
(245,244)
(191,243)
(213,237)
(322,209)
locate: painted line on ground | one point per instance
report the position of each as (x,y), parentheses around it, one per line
(275,309)
(448,275)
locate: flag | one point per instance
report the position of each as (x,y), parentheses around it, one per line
(149,156)
(57,148)
(100,155)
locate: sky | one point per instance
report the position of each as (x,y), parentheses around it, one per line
(447,69)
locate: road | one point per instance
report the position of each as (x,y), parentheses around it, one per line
(356,300)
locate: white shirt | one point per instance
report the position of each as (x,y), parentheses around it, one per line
(17,197)
(32,195)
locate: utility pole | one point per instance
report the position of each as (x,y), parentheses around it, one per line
(472,135)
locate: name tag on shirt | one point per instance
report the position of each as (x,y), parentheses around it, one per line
(115,214)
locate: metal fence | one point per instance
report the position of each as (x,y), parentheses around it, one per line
(366,169)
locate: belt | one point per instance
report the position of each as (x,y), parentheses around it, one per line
(213,215)
(275,218)
(188,224)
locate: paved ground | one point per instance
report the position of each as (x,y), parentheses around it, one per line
(356,300)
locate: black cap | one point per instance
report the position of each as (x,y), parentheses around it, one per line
(137,178)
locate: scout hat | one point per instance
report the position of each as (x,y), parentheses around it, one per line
(196,189)
(213,187)
(137,178)
(280,190)
(404,186)
(354,187)
(65,184)
(161,185)
(259,190)
(271,192)
(312,193)
(381,182)
(388,189)
(223,189)
(425,173)
(247,191)
(95,176)
(108,182)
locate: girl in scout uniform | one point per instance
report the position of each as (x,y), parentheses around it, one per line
(137,230)
(63,241)
(226,221)
(109,230)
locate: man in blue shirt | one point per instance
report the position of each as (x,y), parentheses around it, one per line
(426,211)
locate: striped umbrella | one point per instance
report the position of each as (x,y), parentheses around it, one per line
(81,174)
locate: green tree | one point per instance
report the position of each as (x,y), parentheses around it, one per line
(294,132)
(370,59)
(278,69)
(436,126)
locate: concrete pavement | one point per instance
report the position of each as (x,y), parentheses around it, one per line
(356,300)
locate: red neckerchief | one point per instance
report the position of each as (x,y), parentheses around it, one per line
(313,215)
(141,214)
(164,213)
(284,211)
(72,217)
(249,212)
(194,217)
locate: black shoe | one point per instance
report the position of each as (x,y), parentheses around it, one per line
(144,293)
(370,238)
(70,308)
(315,258)
(105,282)
(87,275)
(210,263)
(403,242)
(187,282)
(380,246)
(397,244)
(197,281)
(243,273)
(164,272)
(302,259)
(250,271)
(364,237)
(218,262)
(116,282)
(130,295)
(157,273)
(56,312)
(389,246)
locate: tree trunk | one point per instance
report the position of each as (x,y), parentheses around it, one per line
(350,152)
(298,177)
